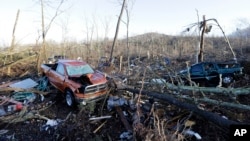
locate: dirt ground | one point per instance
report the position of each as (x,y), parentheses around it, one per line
(49,119)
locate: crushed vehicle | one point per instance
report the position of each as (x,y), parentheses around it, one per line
(76,79)
(213,72)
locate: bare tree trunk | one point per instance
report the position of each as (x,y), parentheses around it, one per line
(197,48)
(117,30)
(89,34)
(203,26)
(42,54)
(128,55)
(13,36)
(12,46)
(128,11)
(43,33)
(106,40)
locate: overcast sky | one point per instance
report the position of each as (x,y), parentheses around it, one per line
(162,16)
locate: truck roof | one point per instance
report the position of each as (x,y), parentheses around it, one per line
(72,62)
(217,62)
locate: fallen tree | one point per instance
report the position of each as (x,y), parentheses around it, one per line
(219,90)
(219,103)
(215,118)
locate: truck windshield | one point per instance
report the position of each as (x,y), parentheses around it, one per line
(79,70)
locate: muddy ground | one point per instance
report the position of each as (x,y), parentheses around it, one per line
(158,120)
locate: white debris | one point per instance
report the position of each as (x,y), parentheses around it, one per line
(126,135)
(52,122)
(158,81)
(192,133)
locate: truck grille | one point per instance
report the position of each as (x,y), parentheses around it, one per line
(95,88)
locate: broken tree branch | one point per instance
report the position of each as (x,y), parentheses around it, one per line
(218,90)
(123,118)
(219,103)
(99,127)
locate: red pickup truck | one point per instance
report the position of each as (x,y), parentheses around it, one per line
(79,82)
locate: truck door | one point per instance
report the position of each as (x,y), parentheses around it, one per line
(197,72)
(59,77)
(210,71)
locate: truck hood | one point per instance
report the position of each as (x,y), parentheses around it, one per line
(96,78)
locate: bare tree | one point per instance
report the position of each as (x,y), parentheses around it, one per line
(128,14)
(12,46)
(206,28)
(42,53)
(89,36)
(117,30)
(106,26)
(64,34)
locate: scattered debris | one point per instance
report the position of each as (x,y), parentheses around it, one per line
(24,97)
(3,131)
(192,133)
(24,84)
(126,135)
(9,105)
(99,118)
(114,101)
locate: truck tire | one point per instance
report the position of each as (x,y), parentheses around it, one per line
(70,100)
(227,80)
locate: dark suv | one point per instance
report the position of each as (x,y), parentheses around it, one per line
(213,72)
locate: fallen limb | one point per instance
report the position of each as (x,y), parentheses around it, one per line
(19,61)
(123,118)
(99,127)
(219,103)
(218,90)
(205,114)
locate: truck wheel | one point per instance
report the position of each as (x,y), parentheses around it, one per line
(227,80)
(69,98)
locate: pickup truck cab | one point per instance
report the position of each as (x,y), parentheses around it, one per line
(212,72)
(79,82)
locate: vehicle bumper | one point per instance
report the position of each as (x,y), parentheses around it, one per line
(85,101)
